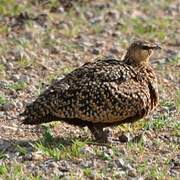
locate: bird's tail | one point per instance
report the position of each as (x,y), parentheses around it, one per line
(36,113)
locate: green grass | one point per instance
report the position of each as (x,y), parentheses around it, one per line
(56,74)
(3,169)
(22,150)
(2,154)
(57,150)
(24,63)
(157,123)
(177,99)
(2,71)
(138,147)
(11,7)
(100,153)
(152,28)
(151,171)
(2,100)
(20,85)
(88,172)
(2,68)
(15,172)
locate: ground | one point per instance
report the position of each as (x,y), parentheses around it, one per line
(41,40)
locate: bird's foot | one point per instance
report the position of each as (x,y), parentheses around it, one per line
(100,135)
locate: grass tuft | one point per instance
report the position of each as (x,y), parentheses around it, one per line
(2,100)
(20,85)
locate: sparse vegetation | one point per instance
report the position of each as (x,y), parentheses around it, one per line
(44,40)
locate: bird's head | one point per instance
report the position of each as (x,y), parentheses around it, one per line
(139,52)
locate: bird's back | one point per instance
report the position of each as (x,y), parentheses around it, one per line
(106,91)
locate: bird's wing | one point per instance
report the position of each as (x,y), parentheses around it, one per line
(103,91)
(106,102)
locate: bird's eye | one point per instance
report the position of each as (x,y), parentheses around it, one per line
(145,47)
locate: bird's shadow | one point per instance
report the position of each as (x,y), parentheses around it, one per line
(16,146)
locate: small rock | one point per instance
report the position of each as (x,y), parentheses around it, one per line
(24,78)
(119,174)
(7,107)
(54,50)
(114,50)
(110,152)
(16,77)
(27,157)
(96,51)
(120,163)
(1,113)
(37,156)
(139,138)
(51,164)
(99,44)
(87,150)
(132,173)
(125,138)
(86,164)
(116,34)
(160,61)
(16,54)
(63,166)
(10,66)
(114,14)
(19,105)
(96,19)
(89,14)
(123,165)
(3,84)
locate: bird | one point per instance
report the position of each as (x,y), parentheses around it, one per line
(104,93)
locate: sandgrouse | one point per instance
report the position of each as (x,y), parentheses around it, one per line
(103,93)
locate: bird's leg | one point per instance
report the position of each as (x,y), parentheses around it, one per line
(100,135)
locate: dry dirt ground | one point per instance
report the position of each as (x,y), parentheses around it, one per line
(41,40)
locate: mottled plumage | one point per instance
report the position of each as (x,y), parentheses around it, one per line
(103,93)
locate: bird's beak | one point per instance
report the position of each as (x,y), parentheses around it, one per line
(151,46)
(156,47)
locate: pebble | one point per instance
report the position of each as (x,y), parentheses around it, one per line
(87,150)
(10,66)
(16,54)
(139,138)
(96,51)
(1,113)
(22,77)
(114,50)
(125,138)
(116,34)
(95,19)
(50,163)
(27,157)
(37,156)
(120,163)
(3,84)
(63,166)
(86,164)
(7,107)
(114,14)
(132,172)
(123,165)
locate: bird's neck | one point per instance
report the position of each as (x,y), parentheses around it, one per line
(129,60)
